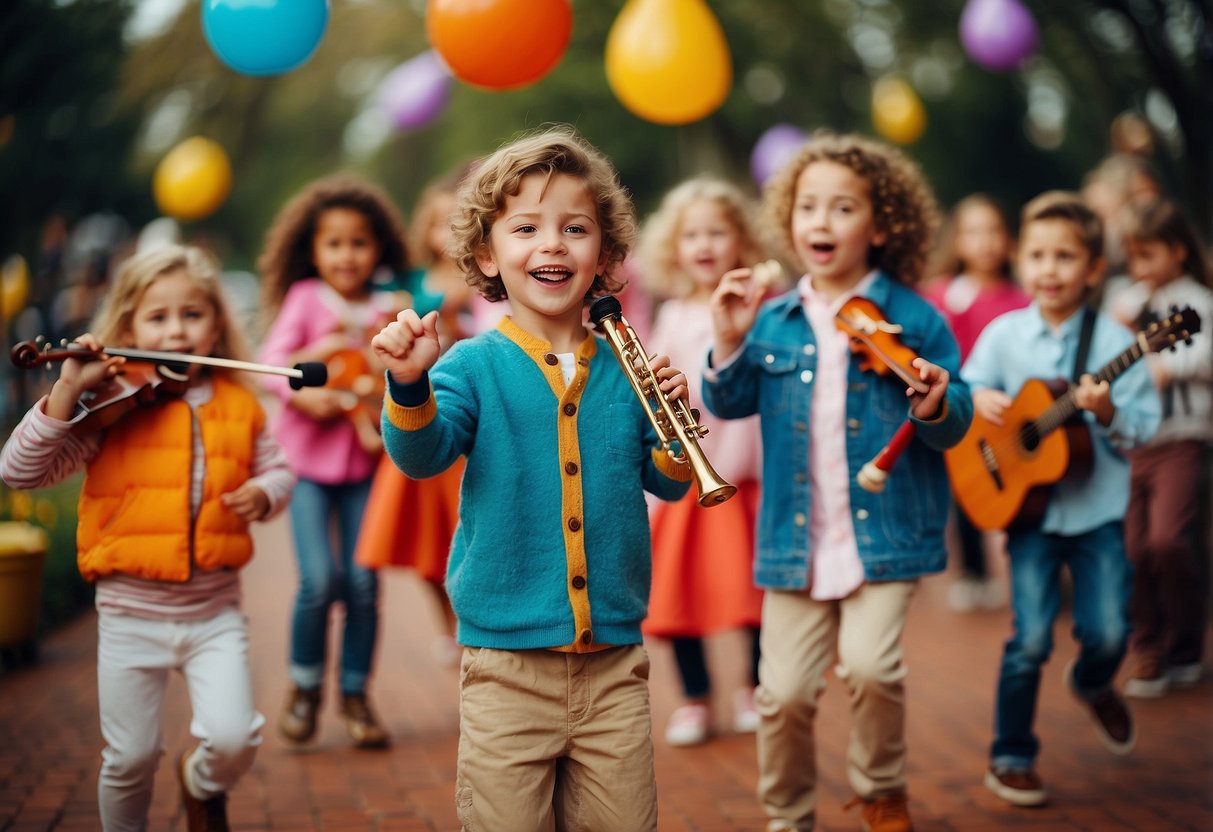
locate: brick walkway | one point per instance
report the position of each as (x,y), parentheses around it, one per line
(50,744)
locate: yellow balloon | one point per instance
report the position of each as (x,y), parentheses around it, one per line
(193,179)
(897,111)
(14,286)
(668,61)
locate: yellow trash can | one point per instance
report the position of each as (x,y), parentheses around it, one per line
(22,555)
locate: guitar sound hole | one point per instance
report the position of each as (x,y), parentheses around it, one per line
(1029,436)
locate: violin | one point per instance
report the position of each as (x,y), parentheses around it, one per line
(350,372)
(148,377)
(875,340)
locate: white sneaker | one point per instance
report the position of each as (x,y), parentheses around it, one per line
(1142,688)
(745,717)
(688,725)
(1183,675)
(964,595)
(992,594)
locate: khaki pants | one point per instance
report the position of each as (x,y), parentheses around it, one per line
(553,740)
(800,639)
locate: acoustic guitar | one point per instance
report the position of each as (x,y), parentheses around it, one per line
(1001,475)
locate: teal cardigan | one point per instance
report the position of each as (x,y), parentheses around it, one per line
(552,548)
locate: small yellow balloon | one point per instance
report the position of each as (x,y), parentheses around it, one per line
(897,111)
(193,179)
(14,286)
(668,61)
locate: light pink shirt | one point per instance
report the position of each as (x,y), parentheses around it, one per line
(836,569)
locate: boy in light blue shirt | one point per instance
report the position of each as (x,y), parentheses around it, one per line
(1060,261)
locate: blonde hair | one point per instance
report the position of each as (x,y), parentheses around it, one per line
(1067,207)
(658,248)
(903,206)
(425,215)
(113,323)
(558,150)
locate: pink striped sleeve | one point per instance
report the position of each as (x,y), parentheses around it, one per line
(271,472)
(43,451)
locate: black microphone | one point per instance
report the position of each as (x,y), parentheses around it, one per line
(314,374)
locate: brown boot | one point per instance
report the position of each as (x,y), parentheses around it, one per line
(297,722)
(208,815)
(360,722)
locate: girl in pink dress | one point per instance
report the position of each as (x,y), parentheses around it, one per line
(975,286)
(702,558)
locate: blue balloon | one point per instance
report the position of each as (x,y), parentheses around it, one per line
(264,37)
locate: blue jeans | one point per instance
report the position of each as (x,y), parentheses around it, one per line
(1102,580)
(326,576)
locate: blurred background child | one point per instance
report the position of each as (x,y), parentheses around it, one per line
(321,255)
(703,559)
(974,285)
(1167,520)
(410,522)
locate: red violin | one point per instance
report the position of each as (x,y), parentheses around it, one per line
(875,340)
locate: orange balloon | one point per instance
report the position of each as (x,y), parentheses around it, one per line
(668,61)
(193,179)
(499,44)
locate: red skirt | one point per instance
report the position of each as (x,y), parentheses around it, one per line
(410,522)
(703,566)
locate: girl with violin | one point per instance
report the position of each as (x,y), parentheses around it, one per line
(320,261)
(169,490)
(839,562)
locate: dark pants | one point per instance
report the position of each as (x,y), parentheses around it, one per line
(1164,531)
(693,665)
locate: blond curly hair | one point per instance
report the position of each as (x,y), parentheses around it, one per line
(555,150)
(903,205)
(658,248)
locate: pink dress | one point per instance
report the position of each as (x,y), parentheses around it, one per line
(703,557)
(968,308)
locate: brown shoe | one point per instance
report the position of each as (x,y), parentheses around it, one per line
(1109,714)
(297,722)
(208,815)
(886,813)
(1019,786)
(360,722)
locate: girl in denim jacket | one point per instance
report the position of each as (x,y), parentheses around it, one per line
(838,563)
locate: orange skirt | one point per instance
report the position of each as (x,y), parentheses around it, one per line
(410,522)
(703,566)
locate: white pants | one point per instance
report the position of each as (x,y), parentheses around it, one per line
(134,657)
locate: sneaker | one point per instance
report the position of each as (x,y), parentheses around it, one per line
(1018,786)
(1185,675)
(964,595)
(360,722)
(745,717)
(688,725)
(208,815)
(886,813)
(1109,714)
(297,722)
(1148,680)
(992,594)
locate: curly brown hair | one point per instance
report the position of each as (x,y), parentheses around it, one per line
(903,204)
(287,256)
(556,150)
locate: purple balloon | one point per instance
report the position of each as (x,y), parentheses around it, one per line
(416,91)
(998,34)
(773,148)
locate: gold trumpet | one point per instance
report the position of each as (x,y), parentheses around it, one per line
(672,421)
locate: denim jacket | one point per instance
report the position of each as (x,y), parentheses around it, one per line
(900,532)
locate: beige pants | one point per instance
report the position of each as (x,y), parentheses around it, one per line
(555,741)
(800,639)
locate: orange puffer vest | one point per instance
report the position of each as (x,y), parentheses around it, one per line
(135,502)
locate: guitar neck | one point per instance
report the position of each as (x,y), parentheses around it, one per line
(1065,407)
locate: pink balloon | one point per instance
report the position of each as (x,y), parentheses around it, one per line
(998,34)
(415,92)
(773,148)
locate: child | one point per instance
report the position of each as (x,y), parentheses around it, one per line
(321,254)
(975,286)
(166,556)
(703,560)
(1164,528)
(410,522)
(1060,262)
(838,563)
(549,567)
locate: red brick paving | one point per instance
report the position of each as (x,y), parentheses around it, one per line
(50,744)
